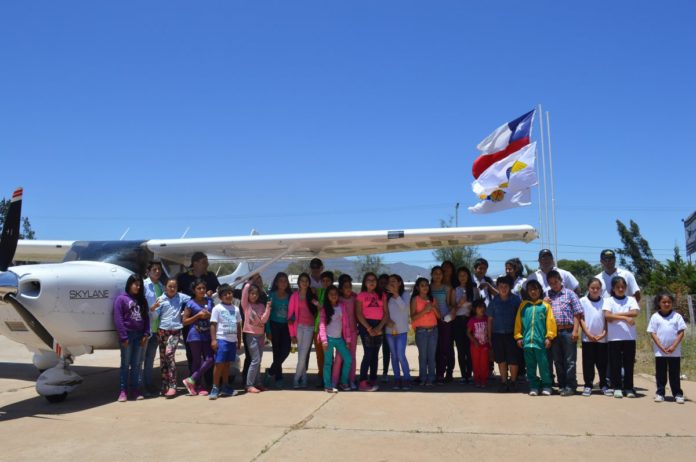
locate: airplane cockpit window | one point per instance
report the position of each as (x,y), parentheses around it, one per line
(131,255)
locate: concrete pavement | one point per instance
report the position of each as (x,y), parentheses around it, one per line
(449,422)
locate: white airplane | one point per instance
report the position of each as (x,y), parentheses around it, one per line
(63,308)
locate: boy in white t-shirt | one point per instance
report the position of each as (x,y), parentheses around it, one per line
(666,327)
(225,334)
(621,311)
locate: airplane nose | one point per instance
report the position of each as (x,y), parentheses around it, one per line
(9,283)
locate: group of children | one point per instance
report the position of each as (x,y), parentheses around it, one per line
(513,320)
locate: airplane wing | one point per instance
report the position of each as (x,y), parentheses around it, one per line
(338,244)
(42,251)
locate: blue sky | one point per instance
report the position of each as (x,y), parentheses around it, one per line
(342,115)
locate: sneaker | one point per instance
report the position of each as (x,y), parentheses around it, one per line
(679,399)
(253,390)
(587,391)
(228,391)
(567,392)
(533,393)
(296,386)
(202,392)
(607,391)
(546,392)
(630,394)
(122,397)
(214,393)
(406,385)
(331,390)
(364,386)
(171,393)
(137,396)
(344,387)
(353,387)
(659,399)
(374,387)
(618,394)
(429,384)
(190,386)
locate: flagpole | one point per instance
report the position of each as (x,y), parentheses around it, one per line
(553,192)
(543,169)
(541,213)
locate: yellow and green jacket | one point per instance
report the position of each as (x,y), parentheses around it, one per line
(534,323)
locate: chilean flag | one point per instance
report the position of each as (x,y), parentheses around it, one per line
(505,140)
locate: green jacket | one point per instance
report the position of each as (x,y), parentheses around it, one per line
(534,323)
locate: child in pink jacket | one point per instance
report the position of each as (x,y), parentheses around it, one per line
(333,326)
(255,318)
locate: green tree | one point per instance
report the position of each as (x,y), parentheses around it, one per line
(581,269)
(676,276)
(25,232)
(297,267)
(460,256)
(636,254)
(369,264)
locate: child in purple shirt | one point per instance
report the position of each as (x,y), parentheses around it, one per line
(133,327)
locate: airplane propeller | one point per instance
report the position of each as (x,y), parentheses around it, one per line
(10,230)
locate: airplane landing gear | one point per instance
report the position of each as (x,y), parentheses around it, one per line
(55,383)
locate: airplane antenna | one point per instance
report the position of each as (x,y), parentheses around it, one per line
(124,234)
(185,232)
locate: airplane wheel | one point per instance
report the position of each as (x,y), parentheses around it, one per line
(57,398)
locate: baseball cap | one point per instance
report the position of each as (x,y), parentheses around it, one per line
(607,254)
(545,253)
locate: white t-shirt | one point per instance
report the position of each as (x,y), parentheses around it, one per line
(666,328)
(594,317)
(605,279)
(569,281)
(620,330)
(227,318)
(335,328)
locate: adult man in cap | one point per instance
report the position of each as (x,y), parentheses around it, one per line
(608,260)
(546,264)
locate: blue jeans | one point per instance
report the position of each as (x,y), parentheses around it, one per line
(426,341)
(255,344)
(565,355)
(130,361)
(397,347)
(147,359)
(304,345)
(371,346)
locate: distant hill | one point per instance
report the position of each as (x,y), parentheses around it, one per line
(346,266)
